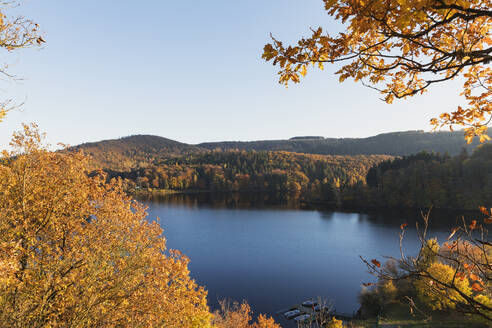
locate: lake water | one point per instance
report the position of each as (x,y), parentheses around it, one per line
(274,254)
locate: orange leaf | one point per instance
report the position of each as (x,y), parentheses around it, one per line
(403,226)
(473,224)
(487,220)
(476,287)
(376,263)
(460,275)
(367,284)
(474,277)
(484,210)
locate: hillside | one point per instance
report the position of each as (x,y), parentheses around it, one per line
(134,151)
(428,180)
(310,177)
(395,144)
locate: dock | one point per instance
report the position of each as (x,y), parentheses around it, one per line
(310,310)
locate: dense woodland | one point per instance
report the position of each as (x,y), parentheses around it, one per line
(422,180)
(139,151)
(311,177)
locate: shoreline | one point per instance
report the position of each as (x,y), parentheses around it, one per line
(303,202)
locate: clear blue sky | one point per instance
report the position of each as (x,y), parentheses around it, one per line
(191,71)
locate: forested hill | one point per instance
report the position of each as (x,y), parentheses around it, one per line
(134,151)
(310,177)
(395,143)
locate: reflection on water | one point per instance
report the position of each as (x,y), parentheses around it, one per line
(439,219)
(275,253)
(227,200)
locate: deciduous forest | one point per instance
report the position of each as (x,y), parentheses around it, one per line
(77,250)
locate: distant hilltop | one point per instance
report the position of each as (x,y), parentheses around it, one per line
(307,138)
(392,143)
(138,150)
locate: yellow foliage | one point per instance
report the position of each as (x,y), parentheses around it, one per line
(387,291)
(265,322)
(237,315)
(335,323)
(432,289)
(76,251)
(401,47)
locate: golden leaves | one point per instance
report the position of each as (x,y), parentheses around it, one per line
(85,242)
(235,315)
(410,45)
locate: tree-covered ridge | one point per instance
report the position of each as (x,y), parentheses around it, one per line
(133,151)
(395,144)
(425,180)
(129,153)
(420,180)
(312,176)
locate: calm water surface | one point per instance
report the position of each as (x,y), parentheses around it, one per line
(274,254)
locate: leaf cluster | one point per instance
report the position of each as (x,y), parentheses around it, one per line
(401,48)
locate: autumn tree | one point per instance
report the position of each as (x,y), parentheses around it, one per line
(16,32)
(455,275)
(75,251)
(238,315)
(401,48)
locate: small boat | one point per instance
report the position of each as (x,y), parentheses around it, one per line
(293,313)
(309,303)
(303,318)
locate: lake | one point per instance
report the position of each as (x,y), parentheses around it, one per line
(275,254)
